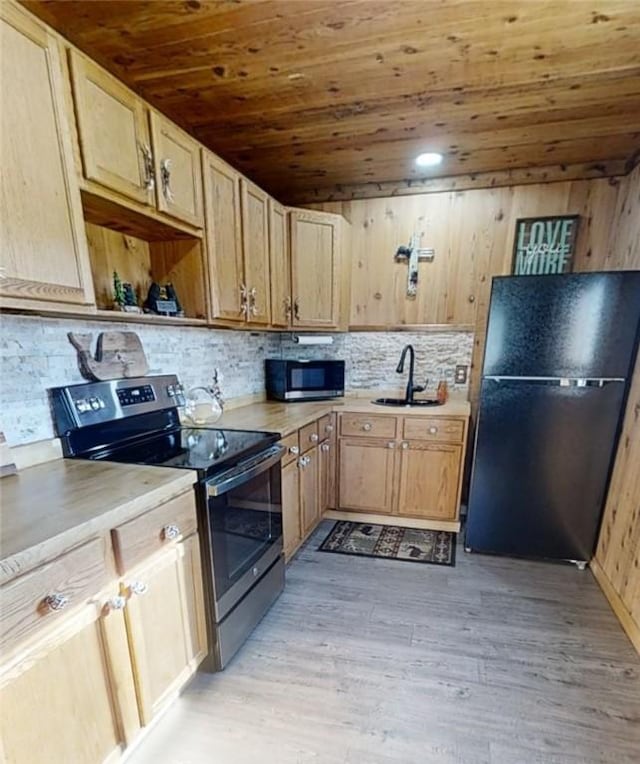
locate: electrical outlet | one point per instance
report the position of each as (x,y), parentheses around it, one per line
(461,375)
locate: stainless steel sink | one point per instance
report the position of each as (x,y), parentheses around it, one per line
(402,402)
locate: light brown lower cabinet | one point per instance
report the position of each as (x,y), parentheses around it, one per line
(429,476)
(292,531)
(81,687)
(69,695)
(309,490)
(366,468)
(165,623)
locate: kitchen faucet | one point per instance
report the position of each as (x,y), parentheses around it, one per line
(411,387)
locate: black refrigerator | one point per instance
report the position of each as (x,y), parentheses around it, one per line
(559,356)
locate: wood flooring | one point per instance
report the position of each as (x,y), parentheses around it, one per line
(368,661)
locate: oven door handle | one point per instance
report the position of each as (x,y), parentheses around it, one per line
(244,475)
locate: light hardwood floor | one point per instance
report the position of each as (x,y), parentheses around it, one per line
(365,661)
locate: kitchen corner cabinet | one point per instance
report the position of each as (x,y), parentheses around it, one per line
(177,171)
(255,246)
(113,132)
(43,251)
(279,265)
(316,257)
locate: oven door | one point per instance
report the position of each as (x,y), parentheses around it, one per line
(244,515)
(314,379)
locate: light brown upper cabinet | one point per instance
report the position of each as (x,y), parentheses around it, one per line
(224,238)
(316,239)
(255,245)
(177,170)
(113,131)
(43,250)
(279,259)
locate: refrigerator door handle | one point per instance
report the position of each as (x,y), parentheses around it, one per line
(561,381)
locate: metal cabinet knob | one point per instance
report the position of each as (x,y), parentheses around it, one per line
(170,532)
(294,450)
(433,430)
(391,444)
(405,446)
(56,601)
(325,446)
(366,426)
(116,603)
(328,428)
(314,437)
(137,587)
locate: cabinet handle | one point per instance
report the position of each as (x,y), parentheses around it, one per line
(296,309)
(325,446)
(391,444)
(253,308)
(149,171)
(115,603)
(294,450)
(366,426)
(165,178)
(137,587)
(56,601)
(303,461)
(313,437)
(328,428)
(287,308)
(170,532)
(244,306)
(405,446)
(433,430)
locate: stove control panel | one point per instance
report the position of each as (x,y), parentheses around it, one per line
(130,396)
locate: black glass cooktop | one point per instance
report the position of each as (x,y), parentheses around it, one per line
(203,449)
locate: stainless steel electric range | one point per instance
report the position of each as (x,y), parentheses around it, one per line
(238,490)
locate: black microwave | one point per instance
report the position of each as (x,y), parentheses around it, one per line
(303,380)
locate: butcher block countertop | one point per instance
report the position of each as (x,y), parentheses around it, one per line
(286,418)
(47,509)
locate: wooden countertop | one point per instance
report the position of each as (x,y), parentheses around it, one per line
(54,506)
(286,418)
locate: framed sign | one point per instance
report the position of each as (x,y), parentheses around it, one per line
(544,245)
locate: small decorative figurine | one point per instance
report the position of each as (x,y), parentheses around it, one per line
(118,291)
(163,300)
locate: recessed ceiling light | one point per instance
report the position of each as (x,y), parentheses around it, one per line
(429,159)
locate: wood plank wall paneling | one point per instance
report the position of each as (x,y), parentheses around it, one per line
(472,232)
(618,552)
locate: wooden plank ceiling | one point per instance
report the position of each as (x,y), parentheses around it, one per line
(326,99)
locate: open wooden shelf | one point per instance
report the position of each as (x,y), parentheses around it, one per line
(141,262)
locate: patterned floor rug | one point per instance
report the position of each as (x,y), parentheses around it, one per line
(391,542)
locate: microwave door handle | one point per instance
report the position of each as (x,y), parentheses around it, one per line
(243,476)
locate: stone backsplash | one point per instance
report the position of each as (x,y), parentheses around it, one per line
(35,354)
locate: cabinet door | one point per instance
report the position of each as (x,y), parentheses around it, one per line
(279,261)
(366,475)
(43,247)
(165,621)
(255,243)
(327,475)
(315,261)
(291,507)
(309,490)
(429,480)
(224,238)
(61,696)
(113,130)
(177,169)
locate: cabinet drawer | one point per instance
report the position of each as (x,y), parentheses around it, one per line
(308,436)
(365,425)
(28,602)
(325,426)
(137,539)
(292,448)
(433,428)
